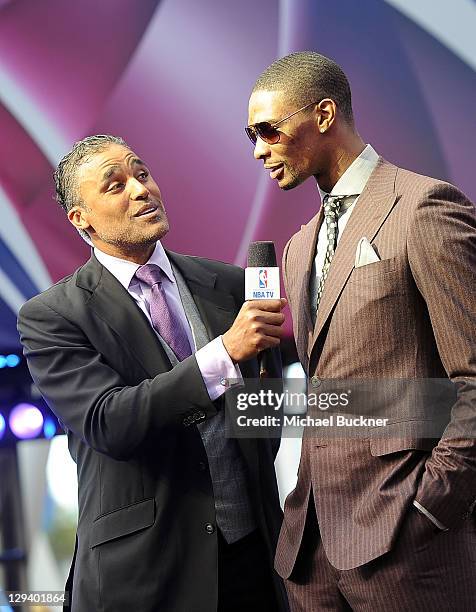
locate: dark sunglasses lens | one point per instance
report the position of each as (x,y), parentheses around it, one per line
(250,132)
(267,132)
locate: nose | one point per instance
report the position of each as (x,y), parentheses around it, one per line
(261,149)
(138,190)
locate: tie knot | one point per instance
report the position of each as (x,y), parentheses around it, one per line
(150,274)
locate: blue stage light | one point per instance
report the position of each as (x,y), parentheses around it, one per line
(12,360)
(49,428)
(2,426)
(3,361)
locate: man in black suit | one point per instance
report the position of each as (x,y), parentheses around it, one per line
(134,353)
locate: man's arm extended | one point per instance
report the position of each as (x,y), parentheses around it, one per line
(93,401)
(442,255)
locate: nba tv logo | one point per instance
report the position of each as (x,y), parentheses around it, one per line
(262,283)
(263,279)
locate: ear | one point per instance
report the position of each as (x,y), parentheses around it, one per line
(78,216)
(327,113)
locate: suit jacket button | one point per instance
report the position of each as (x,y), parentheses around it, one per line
(315,381)
(202,466)
(209,528)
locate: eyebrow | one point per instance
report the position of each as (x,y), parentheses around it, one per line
(110,171)
(271,122)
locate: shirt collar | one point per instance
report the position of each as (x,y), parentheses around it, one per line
(355,178)
(124,270)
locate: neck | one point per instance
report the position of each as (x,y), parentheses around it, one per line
(341,156)
(139,254)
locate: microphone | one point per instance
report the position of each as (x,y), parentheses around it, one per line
(262,283)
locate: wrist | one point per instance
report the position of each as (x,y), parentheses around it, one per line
(228,347)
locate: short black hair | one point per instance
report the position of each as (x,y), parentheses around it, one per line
(307,76)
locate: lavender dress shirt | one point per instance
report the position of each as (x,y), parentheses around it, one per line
(216,366)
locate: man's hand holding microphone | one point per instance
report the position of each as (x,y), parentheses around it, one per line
(259,324)
(257,327)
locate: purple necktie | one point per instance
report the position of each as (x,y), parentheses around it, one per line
(164,320)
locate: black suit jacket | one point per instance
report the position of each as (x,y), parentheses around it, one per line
(145,492)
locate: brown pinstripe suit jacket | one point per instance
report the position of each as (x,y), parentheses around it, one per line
(411,315)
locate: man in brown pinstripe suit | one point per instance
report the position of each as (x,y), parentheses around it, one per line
(381,285)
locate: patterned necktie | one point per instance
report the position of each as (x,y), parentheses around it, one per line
(332,206)
(164,320)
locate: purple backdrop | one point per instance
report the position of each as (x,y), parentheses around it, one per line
(173,78)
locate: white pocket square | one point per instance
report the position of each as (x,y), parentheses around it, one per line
(365,253)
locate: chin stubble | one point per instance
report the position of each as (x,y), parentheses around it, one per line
(124,240)
(294,182)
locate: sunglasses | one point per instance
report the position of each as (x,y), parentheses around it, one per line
(267,131)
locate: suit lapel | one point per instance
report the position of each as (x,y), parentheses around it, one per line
(370,212)
(307,245)
(112,303)
(217,309)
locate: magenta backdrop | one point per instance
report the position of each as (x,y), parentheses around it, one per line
(173,78)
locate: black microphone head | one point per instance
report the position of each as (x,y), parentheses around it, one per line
(261,254)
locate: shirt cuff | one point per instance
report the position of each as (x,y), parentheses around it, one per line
(430,516)
(218,371)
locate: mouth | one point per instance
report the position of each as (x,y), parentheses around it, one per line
(275,171)
(148,210)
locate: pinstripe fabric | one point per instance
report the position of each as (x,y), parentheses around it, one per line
(426,570)
(410,315)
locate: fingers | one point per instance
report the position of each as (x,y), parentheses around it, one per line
(264,342)
(273,331)
(270,342)
(270,318)
(257,327)
(267,305)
